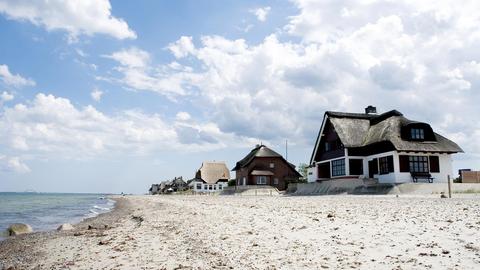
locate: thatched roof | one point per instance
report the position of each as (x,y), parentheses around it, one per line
(211,172)
(258,151)
(359,130)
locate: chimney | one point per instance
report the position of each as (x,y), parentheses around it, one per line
(371,110)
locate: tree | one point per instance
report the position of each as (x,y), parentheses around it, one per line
(303,170)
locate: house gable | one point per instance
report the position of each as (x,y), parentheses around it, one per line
(329,144)
(266,165)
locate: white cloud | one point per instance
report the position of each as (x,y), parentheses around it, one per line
(183,116)
(86,17)
(13,164)
(261,13)
(50,126)
(96,94)
(182,47)
(81,52)
(14,80)
(132,58)
(138,74)
(5,96)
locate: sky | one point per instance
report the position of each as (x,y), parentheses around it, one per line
(112,96)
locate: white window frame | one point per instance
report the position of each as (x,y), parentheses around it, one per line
(261,180)
(335,173)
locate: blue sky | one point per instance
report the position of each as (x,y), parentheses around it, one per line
(111,96)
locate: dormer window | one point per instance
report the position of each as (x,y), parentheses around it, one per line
(417,134)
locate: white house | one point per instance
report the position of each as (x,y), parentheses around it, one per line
(387,147)
(211,177)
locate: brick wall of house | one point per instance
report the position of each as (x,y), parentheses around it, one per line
(281,170)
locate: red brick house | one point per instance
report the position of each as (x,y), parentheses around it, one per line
(263,166)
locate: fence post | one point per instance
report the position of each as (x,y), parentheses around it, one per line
(449,188)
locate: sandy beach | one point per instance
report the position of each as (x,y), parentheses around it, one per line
(234,232)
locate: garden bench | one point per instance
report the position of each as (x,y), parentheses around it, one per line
(421,175)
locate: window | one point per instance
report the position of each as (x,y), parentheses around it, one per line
(324,170)
(434,164)
(214,187)
(418,163)
(327,147)
(356,166)
(338,167)
(404,163)
(386,164)
(372,167)
(220,187)
(272,165)
(210,187)
(261,180)
(417,134)
(199,186)
(275,181)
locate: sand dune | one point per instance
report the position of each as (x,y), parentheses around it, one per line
(232,232)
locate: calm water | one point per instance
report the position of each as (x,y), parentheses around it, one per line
(46,211)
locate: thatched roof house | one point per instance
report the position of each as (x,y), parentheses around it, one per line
(388,147)
(263,166)
(213,171)
(212,176)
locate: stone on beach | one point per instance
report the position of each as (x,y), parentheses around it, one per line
(65,227)
(19,228)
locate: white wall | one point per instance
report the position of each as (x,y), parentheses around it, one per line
(312,174)
(445,163)
(205,187)
(384,178)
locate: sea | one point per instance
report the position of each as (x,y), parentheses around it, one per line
(47,211)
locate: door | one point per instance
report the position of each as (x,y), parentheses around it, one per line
(372,167)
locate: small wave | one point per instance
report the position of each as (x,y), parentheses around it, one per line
(101,208)
(91,213)
(110,202)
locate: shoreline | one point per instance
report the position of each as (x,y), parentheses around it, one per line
(23,250)
(56,209)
